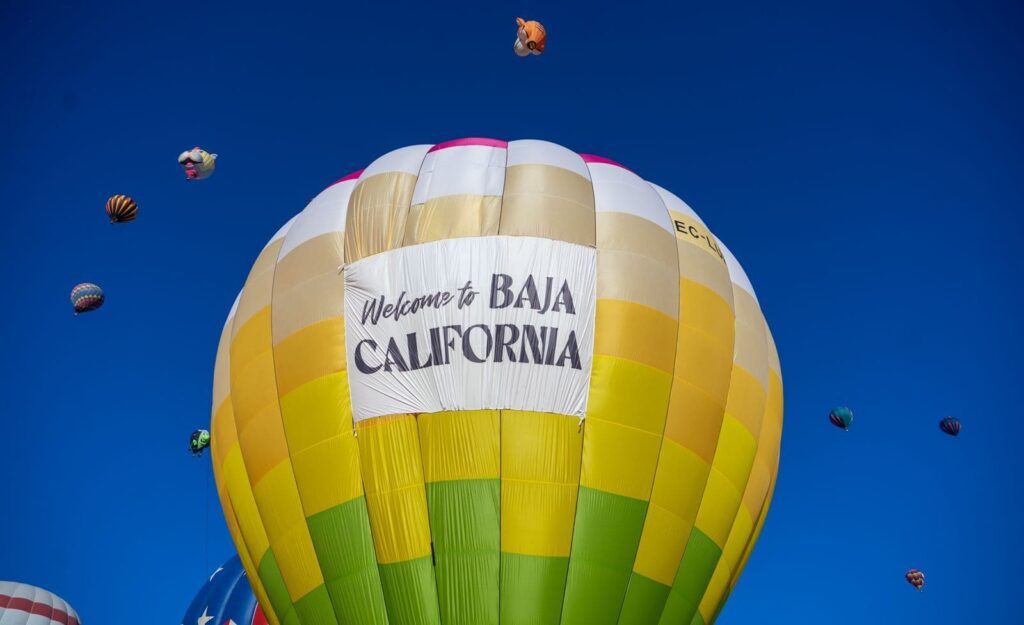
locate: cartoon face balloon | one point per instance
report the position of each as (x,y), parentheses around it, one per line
(492,382)
(197,163)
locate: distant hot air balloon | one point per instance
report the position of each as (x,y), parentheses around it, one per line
(915,578)
(841,417)
(121,209)
(542,396)
(197,163)
(25,604)
(950,425)
(198,441)
(87,297)
(530,38)
(226,597)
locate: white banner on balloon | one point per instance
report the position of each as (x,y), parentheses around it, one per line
(471,323)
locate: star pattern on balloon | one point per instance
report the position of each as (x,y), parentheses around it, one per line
(205,617)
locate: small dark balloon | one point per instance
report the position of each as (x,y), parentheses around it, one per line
(121,209)
(198,442)
(87,297)
(950,425)
(841,417)
(915,578)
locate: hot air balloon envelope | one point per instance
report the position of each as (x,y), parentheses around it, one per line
(22,603)
(197,163)
(841,417)
(915,578)
(530,38)
(486,382)
(198,441)
(86,297)
(950,425)
(121,209)
(226,597)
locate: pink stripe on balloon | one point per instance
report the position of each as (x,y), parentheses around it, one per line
(455,143)
(351,176)
(594,158)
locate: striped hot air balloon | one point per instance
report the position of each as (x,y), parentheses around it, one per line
(87,297)
(841,417)
(225,598)
(22,603)
(489,382)
(915,578)
(950,425)
(121,209)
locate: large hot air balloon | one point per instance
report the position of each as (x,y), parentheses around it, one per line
(489,382)
(121,209)
(225,598)
(24,604)
(950,425)
(841,417)
(915,578)
(86,297)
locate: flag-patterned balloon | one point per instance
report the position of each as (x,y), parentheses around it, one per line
(950,425)
(487,382)
(841,417)
(121,209)
(87,297)
(915,578)
(225,599)
(22,603)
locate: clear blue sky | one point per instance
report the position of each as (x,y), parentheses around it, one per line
(864,159)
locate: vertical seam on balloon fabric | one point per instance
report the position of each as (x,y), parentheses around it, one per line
(711,469)
(241,458)
(362,481)
(504,183)
(284,431)
(501,418)
(419,450)
(703,487)
(362,478)
(757,444)
(583,421)
(763,511)
(664,425)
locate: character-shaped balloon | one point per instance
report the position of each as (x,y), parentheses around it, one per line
(198,441)
(197,163)
(531,37)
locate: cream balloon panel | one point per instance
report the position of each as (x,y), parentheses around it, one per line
(505,512)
